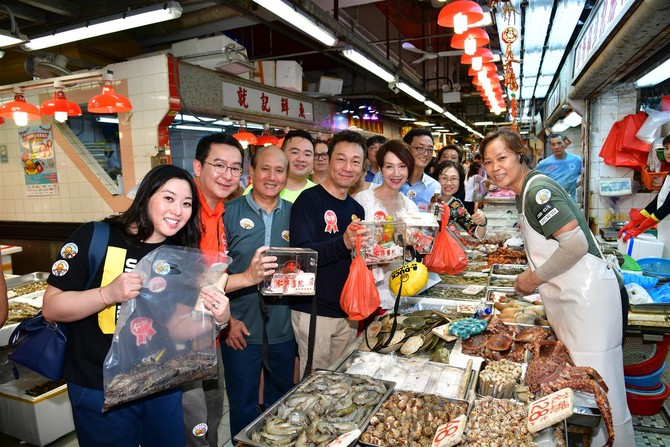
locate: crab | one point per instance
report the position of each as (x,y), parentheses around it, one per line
(551,369)
(500,341)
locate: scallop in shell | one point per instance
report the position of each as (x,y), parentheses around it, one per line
(412,344)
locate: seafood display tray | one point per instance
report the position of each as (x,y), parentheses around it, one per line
(507,269)
(651,308)
(501,281)
(462,387)
(27,279)
(412,303)
(586,412)
(244,436)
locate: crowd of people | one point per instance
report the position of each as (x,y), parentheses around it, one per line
(309,194)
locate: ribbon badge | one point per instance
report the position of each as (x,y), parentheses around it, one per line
(142,328)
(331,221)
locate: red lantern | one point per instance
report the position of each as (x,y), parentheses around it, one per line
(470,40)
(459,14)
(481,55)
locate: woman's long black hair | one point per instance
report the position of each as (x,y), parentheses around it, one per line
(135,221)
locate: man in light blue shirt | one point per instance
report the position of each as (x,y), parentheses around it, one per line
(563,167)
(420,187)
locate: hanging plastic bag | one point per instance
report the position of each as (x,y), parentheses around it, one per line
(359,296)
(651,128)
(164,337)
(447,256)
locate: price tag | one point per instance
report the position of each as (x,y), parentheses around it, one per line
(345,439)
(450,433)
(549,410)
(466,308)
(473,289)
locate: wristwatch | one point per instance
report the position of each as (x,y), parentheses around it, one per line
(220,327)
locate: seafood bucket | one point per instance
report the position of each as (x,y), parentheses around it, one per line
(267,430)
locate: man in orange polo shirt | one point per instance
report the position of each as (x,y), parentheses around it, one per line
(217,168)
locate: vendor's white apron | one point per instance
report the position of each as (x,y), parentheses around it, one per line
(583,306)
(663,226)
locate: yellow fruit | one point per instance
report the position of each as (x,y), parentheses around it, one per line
(413,276)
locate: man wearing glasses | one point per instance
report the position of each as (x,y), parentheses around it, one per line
(320,162)
(420,187)
(217,168)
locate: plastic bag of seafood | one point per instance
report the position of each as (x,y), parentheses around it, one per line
(323,407)
(164,337)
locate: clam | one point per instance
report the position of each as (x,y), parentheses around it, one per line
(374,328)
(414,322)
(369,345)
(412,344)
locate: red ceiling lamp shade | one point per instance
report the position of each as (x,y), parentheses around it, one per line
(19,110)
(245,138)
(267,139)
(59,107)
(481,55)
(488,67)
(109,101)
(459,14)
(470,40)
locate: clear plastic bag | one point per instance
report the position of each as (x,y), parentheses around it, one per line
(164,337)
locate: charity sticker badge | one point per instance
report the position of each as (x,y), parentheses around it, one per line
(411,193)
(379,215)
(284,235)
(143,330)
(200,430)
(247,223)
(331,221)
(543,196)
(60,267)
(162,267)
(157,284)
(69,250)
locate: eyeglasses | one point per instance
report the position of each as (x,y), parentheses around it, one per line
(452,180)
(318,156)
(221,169)
(423,150)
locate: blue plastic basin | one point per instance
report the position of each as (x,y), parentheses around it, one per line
(647,381)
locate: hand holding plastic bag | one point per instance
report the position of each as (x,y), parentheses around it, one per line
(447,256)
(163,338)
(359,296)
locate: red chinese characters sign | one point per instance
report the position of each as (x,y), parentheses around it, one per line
(549,410)
(248,99)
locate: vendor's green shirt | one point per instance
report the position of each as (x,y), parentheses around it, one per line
(549,207)
(286,194)
(248,227)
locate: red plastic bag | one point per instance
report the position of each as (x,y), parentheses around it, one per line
(447,256)
(359,296)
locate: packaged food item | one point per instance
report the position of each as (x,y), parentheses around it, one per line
(295,275)
(420,230)
(386,242)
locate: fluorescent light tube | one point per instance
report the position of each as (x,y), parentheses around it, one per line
(107,119)
(199,128)
(8,39)
(295,18)
(434,106)
(366,63)
(112,24)
(411,91)
(656,76)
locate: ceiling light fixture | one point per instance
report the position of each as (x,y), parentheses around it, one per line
(109,101)
(157,13)
(245,138)
(656,76)
(481,55)
(434,106)
(369,65)
(460,14)
(470,40)
(267,139)
(59,107)
(107,119)
(297,19)
(411,91)
(13,36)
(20,110)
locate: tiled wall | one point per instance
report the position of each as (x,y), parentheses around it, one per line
(606,109)
(144,81)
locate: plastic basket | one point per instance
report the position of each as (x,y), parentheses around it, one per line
(652,180)
(640,358)
(655,266)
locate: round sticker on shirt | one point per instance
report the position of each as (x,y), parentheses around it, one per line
(157,284)
(422,207)
(161,267)
(247,223)
(543,196)
(60,267)
(411,194)
(331,221)
(200,430)
(379,215)
(284,235)
(69,250)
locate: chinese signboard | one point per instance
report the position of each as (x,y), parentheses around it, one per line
(369,125)
(37,160)
(247,99)
(602,21)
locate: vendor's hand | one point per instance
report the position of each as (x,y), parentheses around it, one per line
(235,333)
(636,218)
(479,218)
(527,282)
(641,227)
(260,266)
(217,303)
(353,230)
(126,286)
